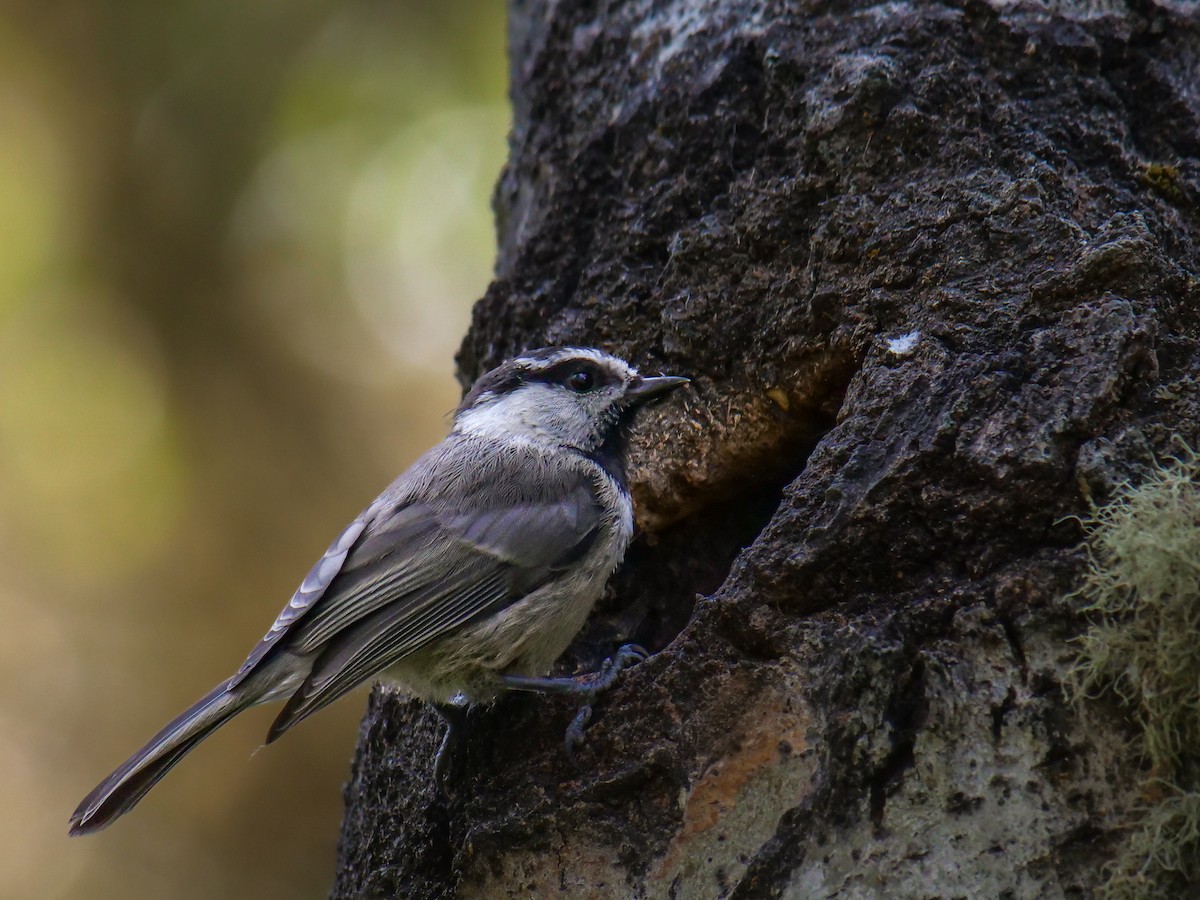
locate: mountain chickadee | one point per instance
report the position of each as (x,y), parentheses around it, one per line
(469,575)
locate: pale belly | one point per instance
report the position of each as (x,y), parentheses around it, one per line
(523,639)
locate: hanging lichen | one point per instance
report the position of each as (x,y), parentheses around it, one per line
(1142,592)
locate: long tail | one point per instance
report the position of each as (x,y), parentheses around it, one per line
(120,791)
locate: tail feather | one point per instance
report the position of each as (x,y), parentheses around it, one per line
(120,791)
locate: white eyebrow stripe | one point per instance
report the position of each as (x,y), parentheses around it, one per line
(599,357)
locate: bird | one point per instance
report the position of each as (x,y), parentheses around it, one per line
(467,577)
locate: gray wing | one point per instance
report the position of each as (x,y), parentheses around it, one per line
(415,572)
(311,590)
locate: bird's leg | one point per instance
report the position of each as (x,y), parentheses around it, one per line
(455,717)
(585,686)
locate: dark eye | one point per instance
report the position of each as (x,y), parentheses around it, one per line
(581,382)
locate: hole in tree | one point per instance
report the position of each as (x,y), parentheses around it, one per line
(651,597)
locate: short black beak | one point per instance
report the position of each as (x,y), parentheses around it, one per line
(647,389)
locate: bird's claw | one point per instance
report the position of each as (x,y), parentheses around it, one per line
(586,687)
(626,655)
(593,684)
(455,717)
(574,737)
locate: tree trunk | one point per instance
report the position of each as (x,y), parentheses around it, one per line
(932,269)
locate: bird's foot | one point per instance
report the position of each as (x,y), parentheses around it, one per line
(455,717)
(583,686)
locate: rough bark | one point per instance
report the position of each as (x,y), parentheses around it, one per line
(932,268)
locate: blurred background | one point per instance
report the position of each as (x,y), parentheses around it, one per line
(238,247)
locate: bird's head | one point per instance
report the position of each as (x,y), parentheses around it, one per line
(560,396)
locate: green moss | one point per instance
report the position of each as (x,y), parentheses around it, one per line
(1163,179)
(1142,592)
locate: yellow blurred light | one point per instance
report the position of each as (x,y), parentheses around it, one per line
(88,480)
(34,800)
(406,231)
(419,235)
(32,178)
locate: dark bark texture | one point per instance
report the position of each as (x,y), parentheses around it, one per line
(933,270)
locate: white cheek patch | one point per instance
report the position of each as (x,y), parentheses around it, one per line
(486,420)
(532,412)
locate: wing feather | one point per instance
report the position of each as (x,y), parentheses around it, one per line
(392,562)
(408,572)
(310,592)
(372,646)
